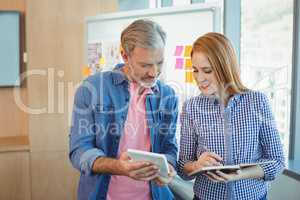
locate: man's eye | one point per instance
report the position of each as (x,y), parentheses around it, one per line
(160,63)
(195,70)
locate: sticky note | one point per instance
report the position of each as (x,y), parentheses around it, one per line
(102,61)
(86,71)
(189,78)
(178,50)
(188,63)
(187,51)
(179,63)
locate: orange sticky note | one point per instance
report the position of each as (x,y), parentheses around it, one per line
(188,63)
(86,71)
(189,78)
(187,51)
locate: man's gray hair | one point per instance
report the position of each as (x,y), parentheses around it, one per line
(143,33)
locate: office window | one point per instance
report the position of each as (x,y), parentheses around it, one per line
(266,55)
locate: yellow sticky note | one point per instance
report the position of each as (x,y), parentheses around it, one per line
(102,61)
(189,78)
(188,63)
(86,71)
(187,51)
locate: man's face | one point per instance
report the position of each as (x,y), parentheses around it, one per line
(144,65)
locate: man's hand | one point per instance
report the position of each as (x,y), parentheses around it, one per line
(138,170)
(162,181)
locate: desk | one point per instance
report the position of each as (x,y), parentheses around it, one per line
(14,144)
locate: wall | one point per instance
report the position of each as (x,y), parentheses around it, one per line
(284,187)
(55,38)
(14,166)
(55,47)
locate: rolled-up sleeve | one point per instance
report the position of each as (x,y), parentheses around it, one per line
(272,148)
(188,144)
(82,139)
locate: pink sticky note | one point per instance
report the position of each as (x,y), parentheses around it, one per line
(179,63)
(179,50)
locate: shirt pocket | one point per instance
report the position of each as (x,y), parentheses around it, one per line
(104,117)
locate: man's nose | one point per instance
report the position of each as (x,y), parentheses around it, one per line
(154,71)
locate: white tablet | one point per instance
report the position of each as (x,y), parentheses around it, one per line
(158,159)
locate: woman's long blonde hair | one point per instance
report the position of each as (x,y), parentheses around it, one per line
(222,57)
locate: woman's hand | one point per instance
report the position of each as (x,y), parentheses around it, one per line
(205,159)
(245,173)
(219,176)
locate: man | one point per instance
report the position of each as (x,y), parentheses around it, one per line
(126,108)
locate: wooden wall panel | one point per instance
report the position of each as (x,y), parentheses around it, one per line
(55,43)
(53,176)
(15,176)
(55,36)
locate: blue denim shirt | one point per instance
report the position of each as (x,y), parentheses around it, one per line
(99,113)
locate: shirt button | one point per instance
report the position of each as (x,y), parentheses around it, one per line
(127,99)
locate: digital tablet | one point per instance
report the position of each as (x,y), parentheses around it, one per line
(159,160)
(227,168)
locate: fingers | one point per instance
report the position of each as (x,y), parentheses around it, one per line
(172,172)
(149,178)
(161,181)
(210,178)
(215,177)
(138,165)
(215,156)
(212,161)
(145,173)
(219,176)
(209,159)
(158,181)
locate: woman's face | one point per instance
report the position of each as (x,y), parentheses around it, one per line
(204,74)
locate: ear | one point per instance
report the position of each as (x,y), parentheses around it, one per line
(124,55)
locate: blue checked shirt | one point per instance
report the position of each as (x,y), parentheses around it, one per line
(242,132)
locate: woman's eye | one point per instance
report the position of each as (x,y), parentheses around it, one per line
(208,71)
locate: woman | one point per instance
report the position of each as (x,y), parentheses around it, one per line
(227,124)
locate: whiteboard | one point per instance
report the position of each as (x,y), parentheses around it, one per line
(183,26)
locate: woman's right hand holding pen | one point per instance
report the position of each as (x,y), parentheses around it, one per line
(207,159)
